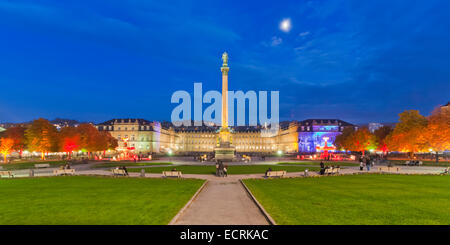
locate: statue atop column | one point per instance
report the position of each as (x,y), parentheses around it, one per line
(225,59)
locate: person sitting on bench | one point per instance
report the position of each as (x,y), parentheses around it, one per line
(268,170)
(322,168)
(125,170)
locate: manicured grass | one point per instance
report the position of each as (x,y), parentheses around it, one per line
(83,200)
(318,163)
(27,165)
(356,199)
(128,164)
(239,169)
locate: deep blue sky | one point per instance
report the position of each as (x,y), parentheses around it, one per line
(359,61)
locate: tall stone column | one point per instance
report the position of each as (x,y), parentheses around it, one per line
(224,150)
(225,70)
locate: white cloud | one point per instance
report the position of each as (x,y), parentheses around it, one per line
(303,34)
(276,41)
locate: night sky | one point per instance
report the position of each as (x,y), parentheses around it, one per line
(359,61)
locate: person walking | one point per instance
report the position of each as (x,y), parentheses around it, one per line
(217,168)
(225,171)
(368,165)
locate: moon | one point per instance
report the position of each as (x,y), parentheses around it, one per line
(285,25)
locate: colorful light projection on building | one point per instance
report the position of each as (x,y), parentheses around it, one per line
(309,141)
(325,149)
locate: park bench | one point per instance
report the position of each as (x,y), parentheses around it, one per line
(412,163)
(6,174)
(119,172)
(64,171)
(388,169)
(280,174)
(176,174)
(329,171)
(42,165)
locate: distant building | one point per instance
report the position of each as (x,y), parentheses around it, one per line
(61,123)
(313,132)
(142,136)
(374,126)
(139,135)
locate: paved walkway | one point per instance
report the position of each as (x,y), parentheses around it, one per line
(222,202)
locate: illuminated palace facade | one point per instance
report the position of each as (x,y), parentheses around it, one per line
(142,136)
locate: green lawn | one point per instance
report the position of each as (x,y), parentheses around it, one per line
(240,169)
(318,163)
(83,200)
(356,199)
(128,164)
(27,165)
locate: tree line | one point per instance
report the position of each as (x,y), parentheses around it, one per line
(42,136)
(413,133)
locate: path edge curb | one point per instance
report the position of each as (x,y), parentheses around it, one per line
(261,208)
(175,219)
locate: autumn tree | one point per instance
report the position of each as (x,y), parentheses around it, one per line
(17,134)
(41,136)
(437,133)
(69,140)
(343,140)
(359,140)
(409,133)
(6,147)
(93,140)
(381,134)
(111,142)
(363,140)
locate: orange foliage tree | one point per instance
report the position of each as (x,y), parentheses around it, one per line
(69,140)
(93,140)
(437,133)
(42,137)
(17,134)
(381,135)
(6,147)
(409,134)
(359,140)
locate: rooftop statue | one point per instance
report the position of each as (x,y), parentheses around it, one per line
(225,59)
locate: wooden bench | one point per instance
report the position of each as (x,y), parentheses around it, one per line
(388,169)
(411,163)
(119,172)
(64,171)
(42,165)
(280,174)
(6,174)
(329,171)
(176,174)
